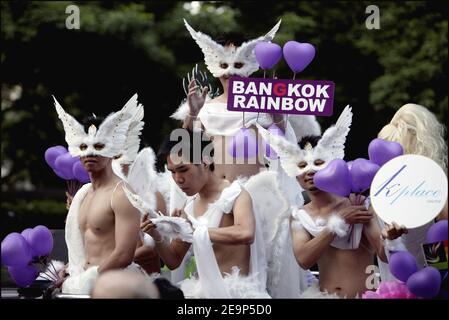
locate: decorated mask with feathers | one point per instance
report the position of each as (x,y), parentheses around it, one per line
(296,161)
(229,60)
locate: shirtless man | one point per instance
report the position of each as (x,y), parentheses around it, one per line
(102,227)
(108,221)
(338,234)
(229,226)
(342,271)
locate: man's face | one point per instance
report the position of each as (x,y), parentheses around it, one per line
(306,181)
(189,177)
(95,163)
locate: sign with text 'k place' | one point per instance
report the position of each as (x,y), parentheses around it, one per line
(304,97)
(409,190)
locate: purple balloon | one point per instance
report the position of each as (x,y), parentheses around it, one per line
(362,174)
(334,178)
(267,54)
(402,265)
(16,252)
(62,175)
(41,240)
(437,232)
(26,235)
(425,283)
(80,173)
(23,276)
(244,144)
(381,151)
(64,164)
(275,131)
(298,55)
(52,153)
(349,164)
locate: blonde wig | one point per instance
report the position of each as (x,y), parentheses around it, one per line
(419,132)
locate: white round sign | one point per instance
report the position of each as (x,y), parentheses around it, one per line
(410,190)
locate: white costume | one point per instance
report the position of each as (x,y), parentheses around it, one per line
(117,135)
(210,283)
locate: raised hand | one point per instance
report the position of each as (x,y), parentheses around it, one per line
(393,231)
(196,99)
(150,228)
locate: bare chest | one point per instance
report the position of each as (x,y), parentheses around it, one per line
(96,213)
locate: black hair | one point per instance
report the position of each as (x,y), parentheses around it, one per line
(195,138)
(235,38)
(167,290)
(313,140)
(92,120)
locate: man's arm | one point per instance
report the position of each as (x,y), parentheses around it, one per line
(242,232)
(126,233)
(376,236)
(308,250)
(145,255)
(171,253)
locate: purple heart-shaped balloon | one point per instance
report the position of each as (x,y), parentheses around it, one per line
(267,54)
(244,144)
(298,55)
(362,174)
(80,173)
(334,178)
(437,232)
(381,151)
(425,283)
(64,164)
(275,131)
(52,153)
(402,265)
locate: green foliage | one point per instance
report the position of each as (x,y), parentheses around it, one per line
(45,207)
(123,48)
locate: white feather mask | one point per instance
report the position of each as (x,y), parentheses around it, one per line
(331,146)
(108,140)
(216,56)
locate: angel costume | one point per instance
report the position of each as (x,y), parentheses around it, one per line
(114,134)
(218,121)
(329,147)
(210,283)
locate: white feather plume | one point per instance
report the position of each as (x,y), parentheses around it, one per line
(334,138)
(215,54)
(132,143)
(74,131)
(289,153)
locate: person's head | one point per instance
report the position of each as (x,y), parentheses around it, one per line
(419,132)
(124,284)
(232,54)
(92,161)
(98,140)
(231,65)
(310,163)
(313,153)
(189,156)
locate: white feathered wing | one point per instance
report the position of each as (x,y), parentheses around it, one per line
(143,179)
(272,212)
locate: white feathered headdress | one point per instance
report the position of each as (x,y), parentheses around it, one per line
(113,136)
(330,146)
(216,56)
